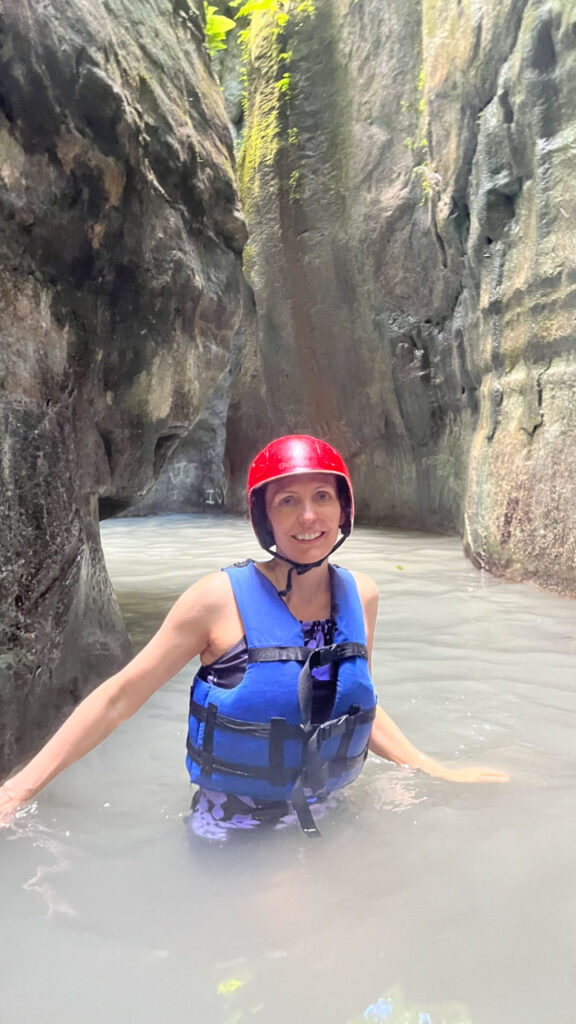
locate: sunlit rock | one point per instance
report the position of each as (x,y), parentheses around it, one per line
(407,176)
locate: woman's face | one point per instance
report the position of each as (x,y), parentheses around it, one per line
(305,515)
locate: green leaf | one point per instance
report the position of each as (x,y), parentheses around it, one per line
(217,28)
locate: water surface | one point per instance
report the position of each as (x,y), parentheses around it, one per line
(455,902)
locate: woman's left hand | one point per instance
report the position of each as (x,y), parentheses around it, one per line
(466,774)
(389,742)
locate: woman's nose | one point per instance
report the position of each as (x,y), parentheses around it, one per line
(307,511)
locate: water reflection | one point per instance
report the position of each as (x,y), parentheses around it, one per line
(422,900)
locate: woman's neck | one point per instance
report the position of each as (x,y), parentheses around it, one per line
(309,597)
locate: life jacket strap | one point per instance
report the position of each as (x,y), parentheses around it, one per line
(303,811)
(210,720)
(326,730)
(277,733)
(261,729)
(278,654)
(248,771)
(346,737)
(317,656)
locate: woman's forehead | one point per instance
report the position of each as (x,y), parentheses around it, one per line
(298,480)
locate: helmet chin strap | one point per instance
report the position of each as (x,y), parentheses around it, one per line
(301,567)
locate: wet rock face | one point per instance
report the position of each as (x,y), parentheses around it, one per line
(119,294)
(521,499)
(194,478)
(411,208)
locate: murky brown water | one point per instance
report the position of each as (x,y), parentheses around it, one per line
(420,891)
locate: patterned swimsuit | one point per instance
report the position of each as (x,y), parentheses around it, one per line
(214,813)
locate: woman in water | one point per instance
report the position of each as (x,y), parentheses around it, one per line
(283,709)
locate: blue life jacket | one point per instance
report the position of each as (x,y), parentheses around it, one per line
(257,739)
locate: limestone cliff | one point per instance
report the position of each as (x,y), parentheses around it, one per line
(119,293)
(407,179)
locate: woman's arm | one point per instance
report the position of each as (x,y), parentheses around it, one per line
(184,633)
(389,742)
(386,739)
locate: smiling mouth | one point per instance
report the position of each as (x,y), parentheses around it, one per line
(308,536)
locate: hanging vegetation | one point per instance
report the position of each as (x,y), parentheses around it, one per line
(218,25)
(217,28)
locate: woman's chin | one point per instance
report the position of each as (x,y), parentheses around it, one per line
(307,550)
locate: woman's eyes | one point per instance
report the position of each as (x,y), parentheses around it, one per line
(287,500)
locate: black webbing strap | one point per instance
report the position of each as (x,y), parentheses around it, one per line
(278,730)
(316,774)
(322,656)
(301,567)
(346,737)
(302,809)
(333,727)
(208,740)
(337,726)
(315,771)
(319,657)
(261,729)
(248,771)
(329,769)
(278,654)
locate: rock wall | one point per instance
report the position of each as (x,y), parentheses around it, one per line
(520,510)
(119,294)
(194,477)
(406,176)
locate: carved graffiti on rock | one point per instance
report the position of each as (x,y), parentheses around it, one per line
(182,473)
(215,496)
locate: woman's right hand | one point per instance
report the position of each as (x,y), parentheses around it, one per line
(185,632)
(9,804)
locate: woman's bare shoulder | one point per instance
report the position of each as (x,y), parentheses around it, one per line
(368,593)
(203,613)
(210,594)
(367,588)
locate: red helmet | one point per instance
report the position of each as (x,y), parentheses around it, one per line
(297,453)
